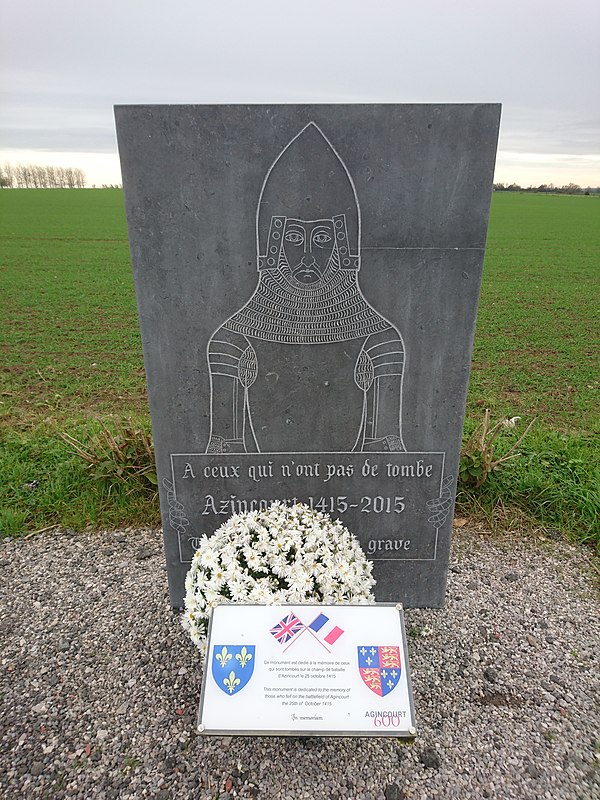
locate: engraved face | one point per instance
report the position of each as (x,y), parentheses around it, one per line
(308,246)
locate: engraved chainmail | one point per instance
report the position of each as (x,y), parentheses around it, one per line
(286,311)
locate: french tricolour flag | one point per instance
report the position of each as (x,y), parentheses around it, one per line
(325,629)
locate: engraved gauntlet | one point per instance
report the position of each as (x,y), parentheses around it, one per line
(220,446)
(386,444)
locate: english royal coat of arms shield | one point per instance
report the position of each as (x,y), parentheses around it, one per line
(380,668)
(232,666)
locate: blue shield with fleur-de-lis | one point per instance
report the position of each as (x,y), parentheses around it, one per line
(232,666)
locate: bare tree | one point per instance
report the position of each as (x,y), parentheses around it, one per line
(79,178)
(70,177)
(22,176)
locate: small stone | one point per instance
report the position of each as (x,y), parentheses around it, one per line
(36,768)
(490,674)
(40,708)
(531,640)
(558,680)
(430,758)
(142,553)
(102,734)
(162,794)
(532,771)
(510,577)
(393,792)
(64,645)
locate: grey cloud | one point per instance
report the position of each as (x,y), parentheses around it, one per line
(60,80)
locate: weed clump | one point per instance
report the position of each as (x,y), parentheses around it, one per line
(477,458)
(124,455)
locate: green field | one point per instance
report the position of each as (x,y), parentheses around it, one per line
(536,347)
(72,354)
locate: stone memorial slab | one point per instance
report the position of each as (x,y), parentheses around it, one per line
(307,279)
(307,670)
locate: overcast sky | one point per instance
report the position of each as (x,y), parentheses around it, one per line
(65,63)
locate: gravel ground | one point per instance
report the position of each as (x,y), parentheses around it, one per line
(100,685)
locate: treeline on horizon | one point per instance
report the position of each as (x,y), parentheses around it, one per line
(548,188)
(35,176)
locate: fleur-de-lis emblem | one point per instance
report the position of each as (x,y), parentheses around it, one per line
(233,666)
(223,657)
(231,682)
(243,656)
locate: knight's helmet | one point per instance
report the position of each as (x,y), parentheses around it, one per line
(308,181)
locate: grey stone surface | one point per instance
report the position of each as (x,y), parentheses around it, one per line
(307,281)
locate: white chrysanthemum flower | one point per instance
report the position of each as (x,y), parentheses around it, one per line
(303,583)
(260,594)
(211,593)
(238,590)
(281,555)
(208,557)
(251,556)
(228,554)
(218,577)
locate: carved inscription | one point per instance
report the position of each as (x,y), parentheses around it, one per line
(395,502)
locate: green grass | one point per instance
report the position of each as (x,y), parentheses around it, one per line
(554,484)
(44,484)
(71,342)
(71,353)
(536,345)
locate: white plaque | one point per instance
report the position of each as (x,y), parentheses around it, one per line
(339,670)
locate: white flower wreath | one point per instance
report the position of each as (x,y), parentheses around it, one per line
(286,554)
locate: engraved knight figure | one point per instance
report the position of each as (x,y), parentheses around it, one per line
(307,364)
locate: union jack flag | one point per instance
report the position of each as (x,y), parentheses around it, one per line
(287,628)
